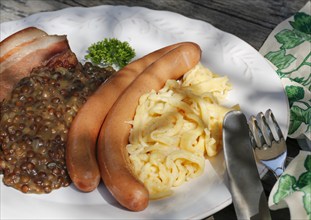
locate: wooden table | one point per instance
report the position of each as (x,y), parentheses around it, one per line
(250,20)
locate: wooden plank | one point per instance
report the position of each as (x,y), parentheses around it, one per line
(266,13)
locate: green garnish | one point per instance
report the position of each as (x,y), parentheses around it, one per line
(111,51)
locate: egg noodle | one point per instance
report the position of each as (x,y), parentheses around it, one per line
(175,129)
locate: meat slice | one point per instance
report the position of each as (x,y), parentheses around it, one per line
(15,41)
(35,50)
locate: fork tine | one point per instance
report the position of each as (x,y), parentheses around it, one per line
(275,124)
(252,139)
(252,131)
(265,127)
(255,129)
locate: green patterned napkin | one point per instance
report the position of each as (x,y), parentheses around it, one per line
(293,188)
(288,48)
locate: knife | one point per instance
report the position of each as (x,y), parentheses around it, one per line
(248,196)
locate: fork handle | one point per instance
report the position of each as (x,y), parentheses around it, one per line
(278,172)
(276,165)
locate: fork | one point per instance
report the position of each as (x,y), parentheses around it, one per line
(268,142)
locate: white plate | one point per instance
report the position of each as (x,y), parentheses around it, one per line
(256,88)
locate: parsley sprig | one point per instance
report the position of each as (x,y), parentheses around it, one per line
(109,52)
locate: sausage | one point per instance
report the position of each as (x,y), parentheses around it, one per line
(112,155)
(81,159)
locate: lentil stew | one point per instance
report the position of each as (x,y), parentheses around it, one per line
(34,123)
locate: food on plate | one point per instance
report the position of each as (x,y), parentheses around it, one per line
(111,52)
(27,49)
(113,157)
(175,128)
(35,116)
(81,144)
(62,121)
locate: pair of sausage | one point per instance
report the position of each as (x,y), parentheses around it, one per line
(81,143)
(105,114)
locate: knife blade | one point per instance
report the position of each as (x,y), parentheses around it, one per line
(248,196)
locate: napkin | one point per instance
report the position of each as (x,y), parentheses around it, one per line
(288,49)
(293,188)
